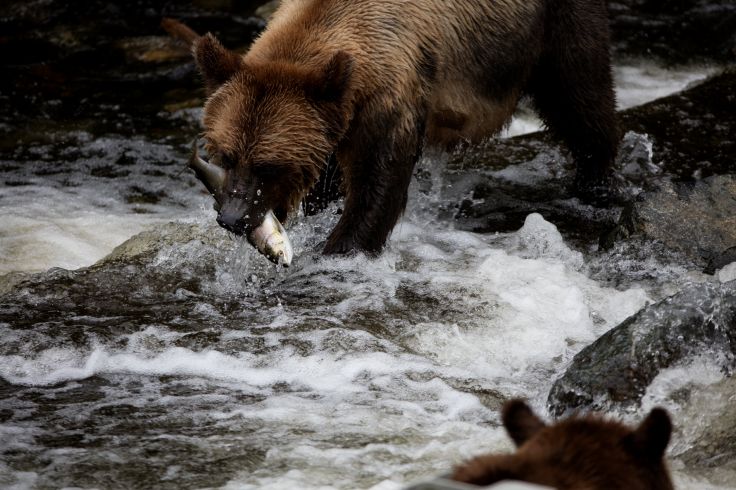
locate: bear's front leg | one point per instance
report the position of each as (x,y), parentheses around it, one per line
(377,164)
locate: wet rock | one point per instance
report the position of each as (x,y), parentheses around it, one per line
(681,138)
(497,184)
(146,244)
(688,206)
(676,31)
(711,432)
(694,131)
(698,219)
(615,371)
(150,292)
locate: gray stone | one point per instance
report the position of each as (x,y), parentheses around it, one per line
(615,370)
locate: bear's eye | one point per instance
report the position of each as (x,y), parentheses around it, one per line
(226,161)
(266,171)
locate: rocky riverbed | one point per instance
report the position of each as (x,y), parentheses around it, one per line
(141,345)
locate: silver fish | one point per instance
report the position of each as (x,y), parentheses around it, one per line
(271,240)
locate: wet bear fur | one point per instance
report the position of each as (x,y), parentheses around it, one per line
(579,453)
(364,85)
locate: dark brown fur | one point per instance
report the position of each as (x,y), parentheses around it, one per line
(364,84)
(580,453)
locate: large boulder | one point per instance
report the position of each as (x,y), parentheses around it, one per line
(615,370)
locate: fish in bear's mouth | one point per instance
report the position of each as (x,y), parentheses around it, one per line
(269,237)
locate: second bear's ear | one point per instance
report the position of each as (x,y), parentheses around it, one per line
(520,421)
(334,79)
(216,63)
(650,439)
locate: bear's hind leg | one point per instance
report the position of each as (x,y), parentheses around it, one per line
(573,91)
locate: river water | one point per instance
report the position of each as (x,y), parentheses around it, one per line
(184,359)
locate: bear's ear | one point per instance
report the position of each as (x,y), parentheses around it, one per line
(216,63)
(520,421)
(650,439)
(334,79)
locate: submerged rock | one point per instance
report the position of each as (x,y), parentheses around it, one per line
(698,219)
(711,452)
(615,370)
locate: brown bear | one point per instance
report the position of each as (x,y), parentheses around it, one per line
(579,453)
(366,84)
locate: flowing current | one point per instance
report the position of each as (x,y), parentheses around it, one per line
(185,359)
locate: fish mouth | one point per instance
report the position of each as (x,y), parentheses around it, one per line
(270,237)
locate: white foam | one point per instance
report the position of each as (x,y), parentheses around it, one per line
(522,312)
(34,239)
(640,83)
(522,124)
(701,371)
(374,466)
(540,239)
(323,372)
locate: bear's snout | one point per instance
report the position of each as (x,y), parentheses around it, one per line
(231,222)
(234,216)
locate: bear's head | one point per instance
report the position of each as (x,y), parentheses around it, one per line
(271,126)
(579,453)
